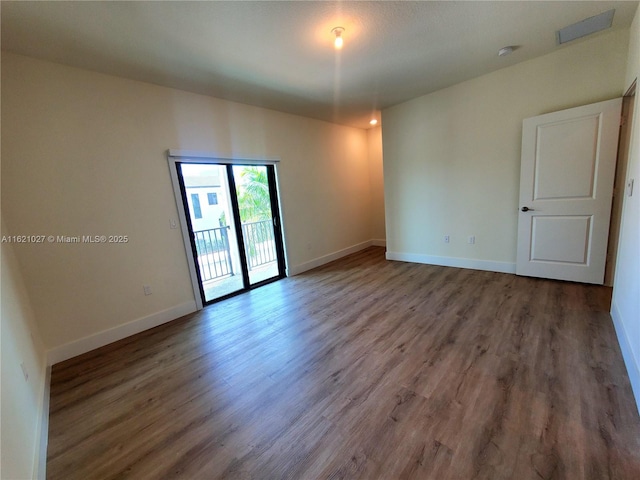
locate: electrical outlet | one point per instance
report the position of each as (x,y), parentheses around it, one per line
(147,289)
(471,240)
(446,239)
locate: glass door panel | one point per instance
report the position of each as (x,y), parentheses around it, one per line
(256,217)
(213,229)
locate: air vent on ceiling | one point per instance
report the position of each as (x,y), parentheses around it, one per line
(586,27)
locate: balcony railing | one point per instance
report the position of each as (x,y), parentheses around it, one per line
(214,252)
(259,243)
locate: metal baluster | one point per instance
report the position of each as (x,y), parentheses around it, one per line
(210,256)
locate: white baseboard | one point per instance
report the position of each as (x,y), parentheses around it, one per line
(318,262)
(488,265)
(100,339)
(632,364)
(379,242)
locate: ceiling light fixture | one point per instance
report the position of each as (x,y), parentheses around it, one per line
(504,51)
(338,42)
(373,122)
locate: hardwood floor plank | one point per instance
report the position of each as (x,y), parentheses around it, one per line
(362,368)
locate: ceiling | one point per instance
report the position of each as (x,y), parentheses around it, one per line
(280,55)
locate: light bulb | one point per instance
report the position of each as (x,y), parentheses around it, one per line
(338,42)
(373,122)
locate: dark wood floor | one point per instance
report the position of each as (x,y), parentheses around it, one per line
(361,369)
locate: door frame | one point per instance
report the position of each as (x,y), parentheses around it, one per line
(174,157)
(619,185)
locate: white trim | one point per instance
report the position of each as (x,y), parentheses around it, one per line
(317,262)
(100,339)
(473,264)
(208,157)
(40,470)
(379,242)
(632,364)
(184,229)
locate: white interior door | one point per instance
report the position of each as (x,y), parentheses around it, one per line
(566,186)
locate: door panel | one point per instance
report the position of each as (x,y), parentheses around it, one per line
(565,159)
(560,239)
(257,221)
(566,184)
(212,229)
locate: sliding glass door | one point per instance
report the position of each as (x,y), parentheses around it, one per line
(234,227)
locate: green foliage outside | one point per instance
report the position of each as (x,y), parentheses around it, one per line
(254,203)
(253,194)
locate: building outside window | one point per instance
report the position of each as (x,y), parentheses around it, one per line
(197,211)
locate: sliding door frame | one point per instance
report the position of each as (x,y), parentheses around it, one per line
(176,157)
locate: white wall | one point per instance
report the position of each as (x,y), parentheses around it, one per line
(21,418)
(84,154)
(374,141)
(625,307)
(452,158)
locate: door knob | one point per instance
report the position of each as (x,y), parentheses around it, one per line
(527,209)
